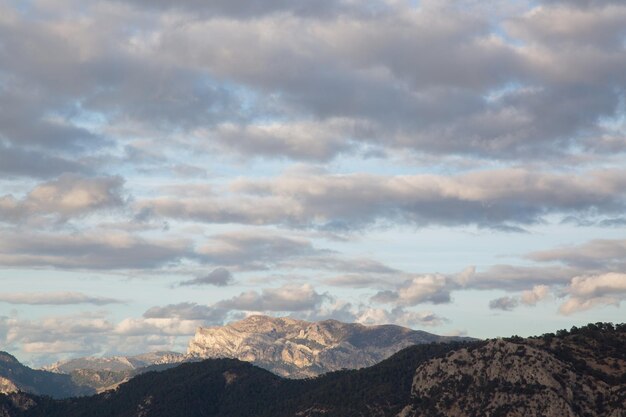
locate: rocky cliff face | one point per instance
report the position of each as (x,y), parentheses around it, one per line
(575,375)
(298,349)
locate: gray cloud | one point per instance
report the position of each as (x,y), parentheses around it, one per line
(528,298)
(220,277)
(256,250)
(433,78)
(95,250)
(506,198)
(504,303)
(256,8)
(55,298)
(20,162)
(67,196)
(519,278)
(598,255)
(316,141)
(481,96)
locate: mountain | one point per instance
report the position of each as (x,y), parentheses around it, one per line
(116,363)
(17,377)
(580,373)
(299,349)
(104,373)
(232,388)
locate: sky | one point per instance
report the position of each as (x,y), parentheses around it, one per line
(457,167)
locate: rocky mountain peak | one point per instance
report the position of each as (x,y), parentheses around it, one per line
(299,348)
(579,374)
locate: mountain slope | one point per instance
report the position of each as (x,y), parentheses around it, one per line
(298,348)
(231,388)
(116,363)
(16,377)
(106,373)
(581,373)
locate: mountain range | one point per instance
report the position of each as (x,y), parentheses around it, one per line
(300,349)
(576,373)
(16,377)
(286,347)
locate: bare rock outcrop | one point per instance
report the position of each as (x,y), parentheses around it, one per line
(522,378)
(299,349)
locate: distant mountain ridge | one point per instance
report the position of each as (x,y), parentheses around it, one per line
(299,349)
(17,377)
(104,373)
(116,363)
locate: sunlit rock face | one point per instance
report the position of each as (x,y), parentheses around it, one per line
(529,378)
(299,349)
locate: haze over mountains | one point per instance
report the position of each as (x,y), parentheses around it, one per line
(580,373)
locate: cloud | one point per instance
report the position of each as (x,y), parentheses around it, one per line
(290,297)
(432,78)
(538,293)
(316,141)
(528,298)
(67,196)
(254,9)
(520,278)
(255,250)
(98,249)
(599,254)
(48,339)
(53,336)
(586,292)
(356,280)
(57,298)
(188,311)
(399,316)
(431,288)
(220,277)
(491,198)
(20,162)
(504,303)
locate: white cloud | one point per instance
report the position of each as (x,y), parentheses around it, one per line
(538,293)
(586,292)
(430,288)
(399,316)
(290,297)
